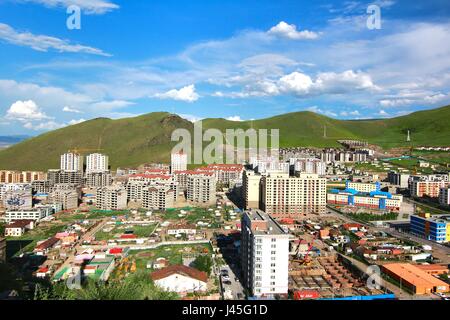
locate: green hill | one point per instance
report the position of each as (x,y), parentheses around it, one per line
(133,141)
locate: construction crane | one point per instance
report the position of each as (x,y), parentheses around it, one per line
(306,260)
(80,150)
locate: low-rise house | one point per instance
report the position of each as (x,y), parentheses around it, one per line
(181,229)
(160,263)
(43,272)
(67,238)
(45,246)
(18,228)
(181,279)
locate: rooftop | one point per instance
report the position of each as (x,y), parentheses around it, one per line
(180,269)
(414,275)
(271,227)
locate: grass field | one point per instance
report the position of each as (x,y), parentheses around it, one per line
(139,230)
(172,253)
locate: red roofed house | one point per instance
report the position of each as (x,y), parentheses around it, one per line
(45,246)
(18,228)
(352,226)
(181,279)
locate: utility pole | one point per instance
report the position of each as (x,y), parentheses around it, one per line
(325,131)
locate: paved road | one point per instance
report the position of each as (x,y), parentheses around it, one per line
(235,286)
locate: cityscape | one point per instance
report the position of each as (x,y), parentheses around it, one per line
(300,204)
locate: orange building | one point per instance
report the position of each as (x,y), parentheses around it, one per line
(434,269)
(414,278)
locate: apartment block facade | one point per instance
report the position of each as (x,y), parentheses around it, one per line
(283,196)
(264,255)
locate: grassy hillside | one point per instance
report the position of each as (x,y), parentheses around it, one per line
(429,127)
(128,142)
(133,141)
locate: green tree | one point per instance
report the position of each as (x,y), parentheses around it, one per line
(203,263)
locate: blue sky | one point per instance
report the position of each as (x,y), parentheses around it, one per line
(236,59)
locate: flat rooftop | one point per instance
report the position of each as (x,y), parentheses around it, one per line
(414,275)
(273,228)
(443,218)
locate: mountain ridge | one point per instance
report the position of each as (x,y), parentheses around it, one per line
(146,138)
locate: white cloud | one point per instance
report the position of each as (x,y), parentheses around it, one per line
(110,105)
(297,83)
(235,118)
(88,6)
(43,126)
(186,94)
(290,31)
(74,121)
(190,117)
(43,42)
(72,110)
(383,113)
(25,111)
(316,109)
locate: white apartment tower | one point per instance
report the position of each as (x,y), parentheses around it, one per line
(71,162)
(178,161)
(264,255)
(97,162)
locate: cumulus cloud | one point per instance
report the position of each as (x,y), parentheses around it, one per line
(297,83)
(72,110)
(190,117)
(290,31)
(186,94)
(235,118)
(88,6)
(25,111)
(44,43)
(302,85)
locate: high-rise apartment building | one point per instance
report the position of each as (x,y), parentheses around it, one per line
(251,189)
(158,197)
(98,179)
(201,187)
(310,165)
(97,163)
(178,161)
(264,255)
(398,179)
(71,162)
(420,186)
(283,196)
(67,177)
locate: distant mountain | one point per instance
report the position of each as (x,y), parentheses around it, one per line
(133,141)
(6,141)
